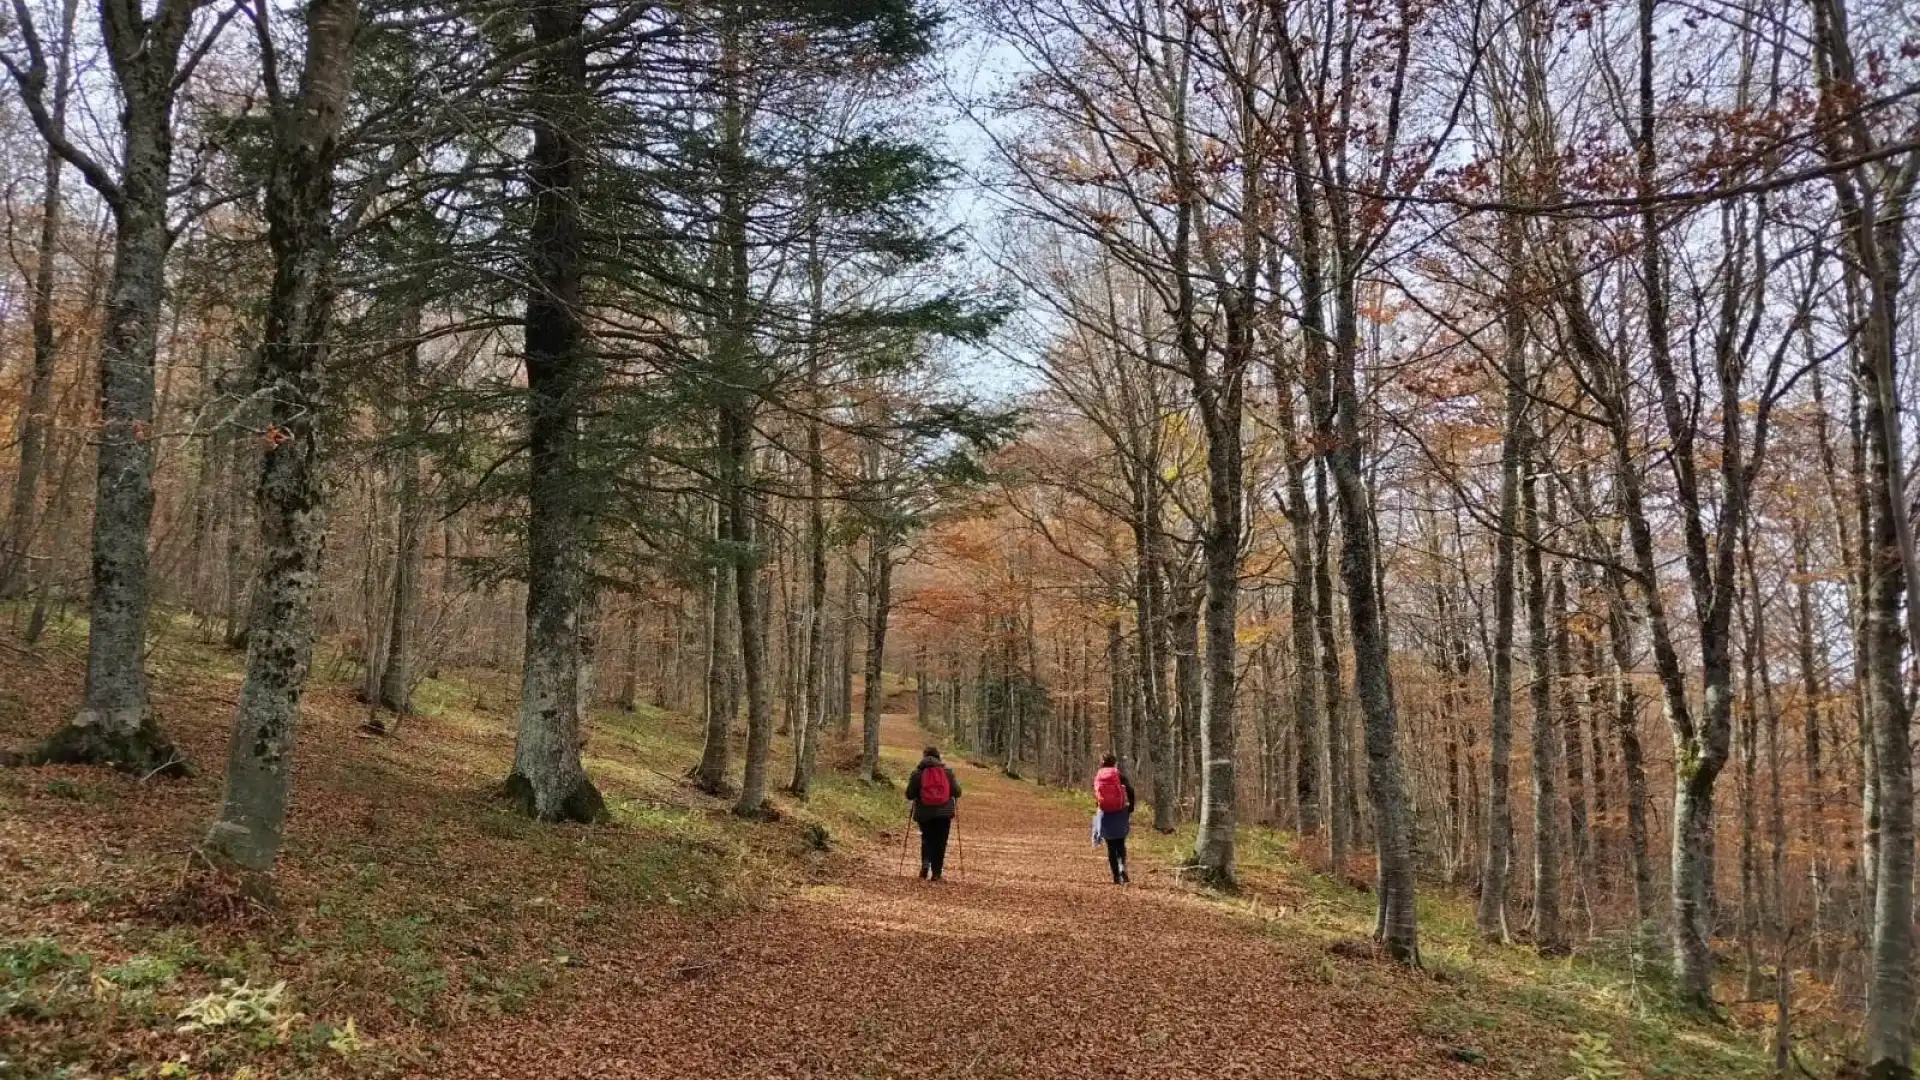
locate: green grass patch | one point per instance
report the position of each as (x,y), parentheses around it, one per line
(143,972)
(856,806)
(28,959)
(653,736)
(1517,1012)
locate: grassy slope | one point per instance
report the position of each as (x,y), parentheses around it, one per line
(411,902)
(1591,1017)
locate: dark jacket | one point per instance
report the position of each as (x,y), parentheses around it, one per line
(923,813)
(1116,824)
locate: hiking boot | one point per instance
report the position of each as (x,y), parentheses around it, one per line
(1123,874)
(925,871)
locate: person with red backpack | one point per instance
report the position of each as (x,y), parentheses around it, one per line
(935,795)
(1113,794)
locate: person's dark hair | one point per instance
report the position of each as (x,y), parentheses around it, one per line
(1107,761)
(933,752)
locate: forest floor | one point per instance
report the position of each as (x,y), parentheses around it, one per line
(423,930)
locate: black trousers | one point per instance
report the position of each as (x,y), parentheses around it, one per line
(1117,858)
(933,846)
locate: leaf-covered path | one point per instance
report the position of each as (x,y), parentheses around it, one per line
(1029,963)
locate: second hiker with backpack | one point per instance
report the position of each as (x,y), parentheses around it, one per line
(935,795)
(1113,794)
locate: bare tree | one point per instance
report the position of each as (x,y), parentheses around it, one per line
(148,58)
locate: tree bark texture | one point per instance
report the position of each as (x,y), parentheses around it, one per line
(290,503)
(548,781)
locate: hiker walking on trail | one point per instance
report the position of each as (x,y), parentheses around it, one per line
(935,795)
(1113,794)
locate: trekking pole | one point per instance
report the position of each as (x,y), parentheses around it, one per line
(962,842)
(906,839)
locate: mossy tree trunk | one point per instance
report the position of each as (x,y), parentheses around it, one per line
(548,780)
(115,724)
(291,497)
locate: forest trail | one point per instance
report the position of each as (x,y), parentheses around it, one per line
(1028,963)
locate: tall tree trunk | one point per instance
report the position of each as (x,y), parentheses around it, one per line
(781,580)
(115,723)
(922,697)
(1188,689)
(1214,845)
(1549,934)
(1596,881)
(208,480)
(1572,736)
(1693,858)
(1310,761)
(670,689)
(1321,339)
(1398,923)
(1749,750)
(1812,693)
(1776,834)
(1775,895)
(734,377)
(1456,666)
(548,781)
(376,584)
(1150,634)
(813,679)
(750,602)
(1890,993)
(63,493)
(1013,697)
(1277,771)
(849,621)
(292,515)
(630,683)
(1702,735)
(1119,698)
(1848,508)
(1339,779)
(1866,868)
(872,692)
(1310,755)
(1497,845)
(396,668)
(711,774)
(1875,208)
(1373,686)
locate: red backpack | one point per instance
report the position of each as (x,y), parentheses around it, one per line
(1109,791)
(936,787)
